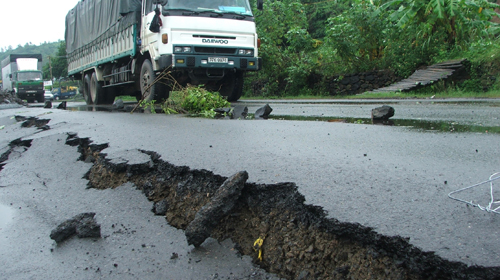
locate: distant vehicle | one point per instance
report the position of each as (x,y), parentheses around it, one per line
(22,75)
(64,92)
(48,95)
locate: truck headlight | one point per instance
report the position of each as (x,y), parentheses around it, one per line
(182,49)
(245,52)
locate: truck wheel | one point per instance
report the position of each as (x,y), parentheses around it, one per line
(158,91)
(86,90)
(96,90)
(231,86)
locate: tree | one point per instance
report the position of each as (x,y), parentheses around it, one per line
(457,20)
(59,63)
(358,36)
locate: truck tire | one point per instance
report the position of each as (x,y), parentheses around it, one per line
(86,90)
(231,86)
(159,91)
(96,91)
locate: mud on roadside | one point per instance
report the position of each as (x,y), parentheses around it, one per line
(299,242)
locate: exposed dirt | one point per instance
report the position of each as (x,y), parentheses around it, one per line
(299,241)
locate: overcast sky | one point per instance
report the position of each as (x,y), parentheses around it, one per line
(35,21)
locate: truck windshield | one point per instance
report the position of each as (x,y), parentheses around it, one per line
(29,76)
(240,7)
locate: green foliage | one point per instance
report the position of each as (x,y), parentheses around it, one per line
(457,20)
(305,38)
(58,62)
(357,36)
(286,46)
(200,101)
(148,105)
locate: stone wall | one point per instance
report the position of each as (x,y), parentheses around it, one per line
(358,83)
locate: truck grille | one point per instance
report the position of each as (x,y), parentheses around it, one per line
(191,61)
(213,50)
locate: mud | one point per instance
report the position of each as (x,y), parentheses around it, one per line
(299,241)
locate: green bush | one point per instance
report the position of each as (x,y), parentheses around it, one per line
(197,100)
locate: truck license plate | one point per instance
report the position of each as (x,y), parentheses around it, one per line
(217,59)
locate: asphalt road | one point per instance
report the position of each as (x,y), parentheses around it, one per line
(395,179)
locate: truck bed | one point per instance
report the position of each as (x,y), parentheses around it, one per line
(101,31)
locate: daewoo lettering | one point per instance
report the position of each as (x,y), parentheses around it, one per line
(214,41)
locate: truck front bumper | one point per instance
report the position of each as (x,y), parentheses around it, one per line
(24,94)
(191,61)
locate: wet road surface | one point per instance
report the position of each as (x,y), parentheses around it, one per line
(392,178)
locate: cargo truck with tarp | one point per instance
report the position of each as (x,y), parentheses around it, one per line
(144,48)
(22,76)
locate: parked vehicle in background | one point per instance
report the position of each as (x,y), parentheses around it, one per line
(22,75)
(143,48)
(48,95)
(64,92)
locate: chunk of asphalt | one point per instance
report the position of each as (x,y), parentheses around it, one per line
(263,112)
(160,208)
(207,218)
(82,225)
(240,112)
(383,113)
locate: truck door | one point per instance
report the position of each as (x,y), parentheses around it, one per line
(148,37)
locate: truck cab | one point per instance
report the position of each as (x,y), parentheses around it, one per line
(28,84)
(207,42)
(22,75)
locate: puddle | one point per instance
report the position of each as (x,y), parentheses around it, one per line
(5,215)
(422,125)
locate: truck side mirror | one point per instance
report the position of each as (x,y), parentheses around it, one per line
(10,76)
(260,4)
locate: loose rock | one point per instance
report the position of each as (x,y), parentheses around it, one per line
(209,215)
(382,113)
(62,105)
(160,208)
(82,225)
(263,112)
(239,112)
(118,105)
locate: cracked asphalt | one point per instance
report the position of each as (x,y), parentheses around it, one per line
(394,179)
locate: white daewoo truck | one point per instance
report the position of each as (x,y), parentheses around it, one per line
(142,48)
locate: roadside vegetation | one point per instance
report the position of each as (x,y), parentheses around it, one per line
(193,100)
(305,40)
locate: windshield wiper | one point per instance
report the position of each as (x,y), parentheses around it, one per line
(237,15)
(185,12)
(212,12)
